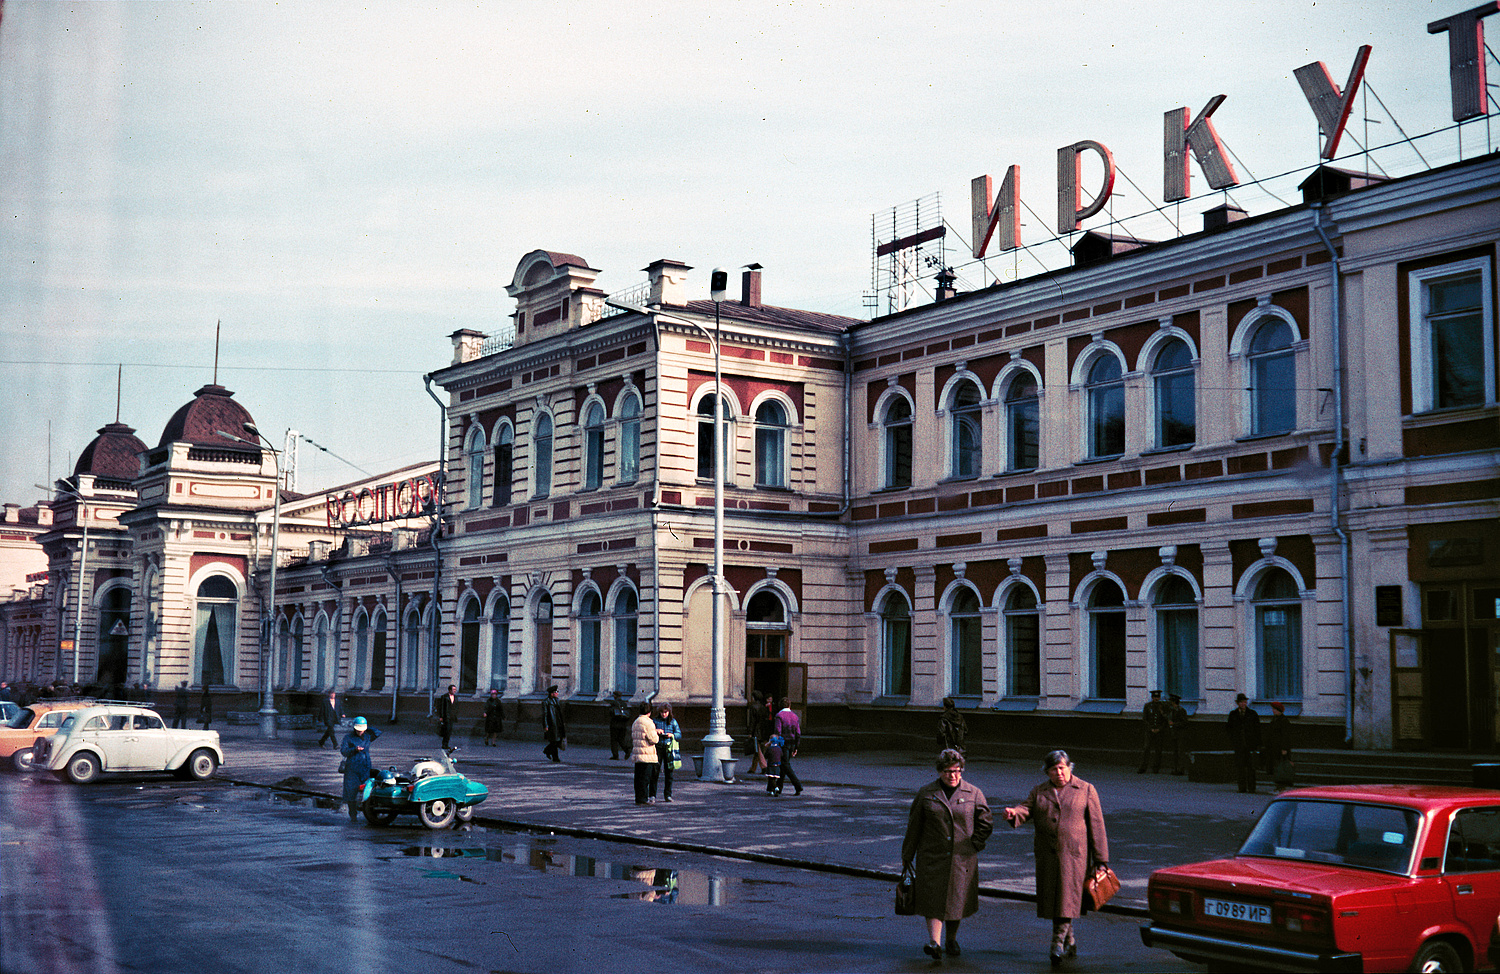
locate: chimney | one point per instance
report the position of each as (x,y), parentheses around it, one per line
(666,279)
(750,286)
(12,513)
(945,288)
(1222,216)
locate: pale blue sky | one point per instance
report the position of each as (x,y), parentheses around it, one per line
(344,185)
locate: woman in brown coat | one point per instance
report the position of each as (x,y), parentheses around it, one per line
(948,826)
(1069,842)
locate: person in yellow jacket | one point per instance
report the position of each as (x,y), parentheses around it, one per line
(643,738)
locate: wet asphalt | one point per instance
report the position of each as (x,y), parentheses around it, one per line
(849,819)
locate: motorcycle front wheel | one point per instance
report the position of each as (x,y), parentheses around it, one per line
(438,813)
(379,816)
(466,813)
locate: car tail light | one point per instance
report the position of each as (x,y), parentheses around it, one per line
(1300,918)
(1174,902)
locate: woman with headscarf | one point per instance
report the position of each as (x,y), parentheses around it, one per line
(356,752)
(947,827)
(1069,845)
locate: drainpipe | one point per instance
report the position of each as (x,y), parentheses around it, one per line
(1336,474)
(848,343)
(390,566)
(435,535)
(338,626)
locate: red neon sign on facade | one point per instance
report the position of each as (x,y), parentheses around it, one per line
(412,497)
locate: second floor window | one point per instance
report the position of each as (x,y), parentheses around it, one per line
(1172,383)
(593,446)
(629,448)
(1022,423)
(897,432)
(1453,337)
(706,467)
(1273,378)
(505,441)
(541,442)
(474,454)
(1106,408)
(966,431)
(770,444)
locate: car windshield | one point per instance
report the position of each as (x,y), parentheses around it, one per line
(1348,833)
(22,718)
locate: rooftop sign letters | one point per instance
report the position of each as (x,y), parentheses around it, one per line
(411,497)
(1187,136)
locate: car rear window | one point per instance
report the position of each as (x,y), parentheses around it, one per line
(1474,841)
(1348,833)
(22,719)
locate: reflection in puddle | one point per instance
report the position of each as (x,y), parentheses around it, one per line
(690,887)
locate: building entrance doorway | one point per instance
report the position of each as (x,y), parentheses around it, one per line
(1460,678)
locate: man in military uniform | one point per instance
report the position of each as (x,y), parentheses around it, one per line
(1177,718)
(1155,716)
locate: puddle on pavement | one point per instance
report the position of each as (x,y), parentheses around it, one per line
(690,887)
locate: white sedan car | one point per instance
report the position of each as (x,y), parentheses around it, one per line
(119,737)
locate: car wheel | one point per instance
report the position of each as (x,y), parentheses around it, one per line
(465,813)
(438,813)
(379,816)
(82,768)
(23,760)
(201,764)
(1436,956)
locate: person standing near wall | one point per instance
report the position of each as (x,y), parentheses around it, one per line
(494,717)
(643,738)
(446,712)
(953,730)
(553,727)
(1155,721)
(1244,737)
(1177,719)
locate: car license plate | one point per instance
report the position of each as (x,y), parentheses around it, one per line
(1230,910)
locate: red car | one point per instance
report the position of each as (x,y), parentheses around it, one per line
(1349,878)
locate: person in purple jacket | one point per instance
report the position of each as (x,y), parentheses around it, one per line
(789,729)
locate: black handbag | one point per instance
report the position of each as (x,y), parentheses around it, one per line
(343,766)
(906,893)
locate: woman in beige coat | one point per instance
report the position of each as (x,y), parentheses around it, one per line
(948,826)
(643,738)
(1069,842)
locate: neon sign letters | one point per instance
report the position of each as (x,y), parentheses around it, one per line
(411,497)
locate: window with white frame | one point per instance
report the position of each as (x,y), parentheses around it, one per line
(1277,608)
(469,630)
(1105,395)
(474,450)
(1023,643)
(1176,608)
(1273,377)
(629,448)
(895,646)
(541,451)
(1106,610)
(411,650)
(966,430)
(770,444)
(707,469)
(361,650)
(499,643)
(589,625)
(965,645)
(298,650)
(896,431)
(593,446)
(320,651)
(505,445)
(215,611)
(1175,394)
(1022,423)
(379,642)
(626,613)
(1452,336)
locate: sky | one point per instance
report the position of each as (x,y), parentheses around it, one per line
(338,187)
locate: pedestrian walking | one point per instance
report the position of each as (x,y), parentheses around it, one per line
(668,746)
(948,825)
(1155,719)
(953,730)
(1244,737)
(494,717)
(758,726)
(206,708)
(789,729)
(356,766)
(1279,748)
(553,727)
(643,738)
(330,712)
(775,748)
(1177,720)
(619,726)
(1069,845)
(446,713)
(180,706)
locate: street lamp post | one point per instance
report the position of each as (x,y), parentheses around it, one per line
(267,713)
(80,516)
(716,746)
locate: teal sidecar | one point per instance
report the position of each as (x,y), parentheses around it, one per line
(434,791)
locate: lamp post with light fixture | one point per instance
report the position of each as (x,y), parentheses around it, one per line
(80,517)
(267,713)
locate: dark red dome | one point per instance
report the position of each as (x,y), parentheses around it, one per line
(213,410)
(114,454)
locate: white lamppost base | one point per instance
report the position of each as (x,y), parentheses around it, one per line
(267,723)
(716,751)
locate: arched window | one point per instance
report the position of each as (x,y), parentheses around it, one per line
(505,447)
(765,626)
(541,617)
(966,657)
(593,446)
(1106,407)
(627,619)
(541,446)
(896,426)
(966,431)
(474,450)
(1022,423)
(1176,609)
(1023,632)
(589,624)
(770,444)
(499,643)
(214,631)
(706,467)
(411,650)
(114,636)
(1176,399)
(895,646)
(299,649)
(1106,609)
(379,639)
(320,651)
(1273,378)
(1278,635)
(361,650)
(468,648)
(630,439)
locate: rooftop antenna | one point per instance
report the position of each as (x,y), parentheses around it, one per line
(119,380)
(216,350)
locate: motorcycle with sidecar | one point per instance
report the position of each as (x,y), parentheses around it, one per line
(434,791)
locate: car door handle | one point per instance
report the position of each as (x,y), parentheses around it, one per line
(1465,889)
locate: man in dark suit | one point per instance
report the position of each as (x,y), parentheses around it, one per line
(553,727)
(1244,737)
(446,713)
(330,712)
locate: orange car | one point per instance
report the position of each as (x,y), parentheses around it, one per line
(41,719)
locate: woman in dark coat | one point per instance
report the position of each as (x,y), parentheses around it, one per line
(494,717)
(356,752)
(1069,843)
(950,822)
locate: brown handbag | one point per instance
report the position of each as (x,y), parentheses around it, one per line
(1100,887)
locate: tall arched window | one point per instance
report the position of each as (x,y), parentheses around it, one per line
(283,649)
(629,448)
(1176,609)
(1106,407)
(541,448)
(1273,377)
(474,450)
(298,655)
(1022,423)
(593,446)
(214,631)
(966,664)
(1106,608)
(896,427)
(541,618)
(379,640)
(895,646)
(320,651)
(411,649)
(505,448)
(499,643)
(966,431)
(626,615)
(1176,405)
(770,444)
(361,650)
(706,467)
(589,623)
(1023,632)
(114,636)
(1278,635)
(468,648)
